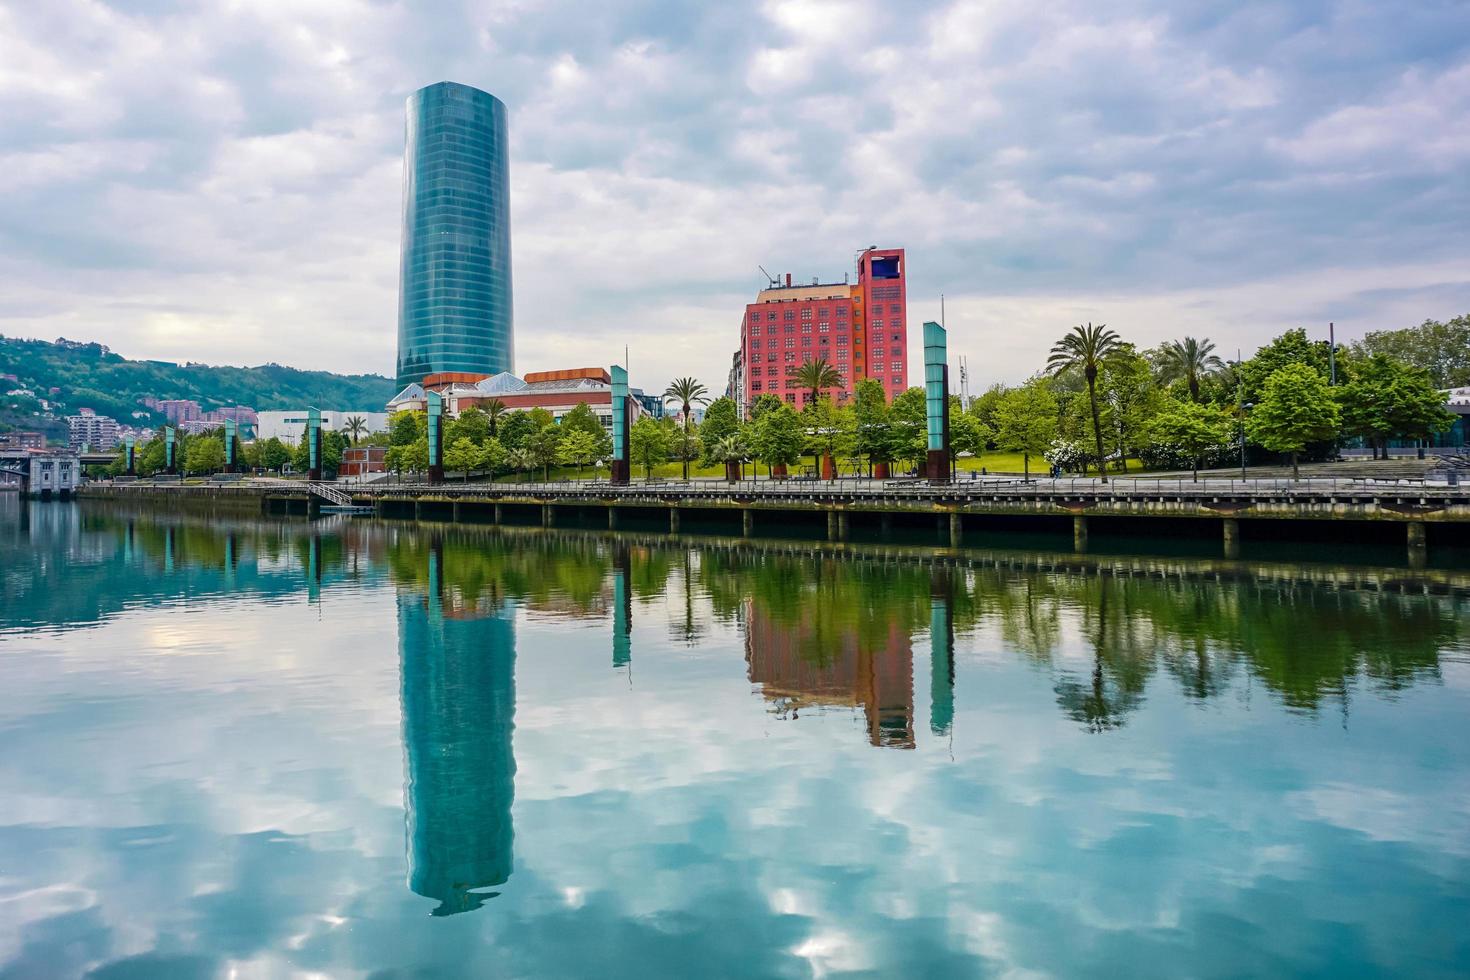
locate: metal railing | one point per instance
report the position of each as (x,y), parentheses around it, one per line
(330,493)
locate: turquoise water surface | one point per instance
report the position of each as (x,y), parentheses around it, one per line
(244,747)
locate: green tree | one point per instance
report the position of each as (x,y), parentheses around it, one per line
(1296,408)
(204,456)
(1389,399)
(830,432)
(273,453)
(814,375)
(648,444)
(577,448)
(1193,427)
(1441,349)
(492,455)
(721,420)
(967,434)
(779,437)
(1087,349)
(984,405)
(1291,347)
(462,456)
(1026,421)
(472,424)
(909,416)
(404,427)
(544,443)
(515,430)
(1131,399)
(763,404)
(872,428)
(1190,361)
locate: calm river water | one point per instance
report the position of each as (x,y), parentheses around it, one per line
(240,747)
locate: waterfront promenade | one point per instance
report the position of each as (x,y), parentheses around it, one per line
(1238,508)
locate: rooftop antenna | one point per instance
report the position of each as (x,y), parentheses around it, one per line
(964,381)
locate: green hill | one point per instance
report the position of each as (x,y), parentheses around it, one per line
(92,376)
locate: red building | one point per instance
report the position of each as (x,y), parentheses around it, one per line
(362,460)
(861,329)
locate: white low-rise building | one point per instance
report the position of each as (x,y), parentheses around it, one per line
(291,426)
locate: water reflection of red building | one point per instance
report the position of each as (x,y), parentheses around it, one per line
(806,664)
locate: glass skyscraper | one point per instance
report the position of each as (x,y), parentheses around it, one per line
(454,294)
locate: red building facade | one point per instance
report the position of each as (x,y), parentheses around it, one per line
(861,329)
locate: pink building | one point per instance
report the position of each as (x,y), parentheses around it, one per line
(861,329)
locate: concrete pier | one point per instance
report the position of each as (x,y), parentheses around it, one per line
(831,525)
(844,527)
(747,522)
(956,530)
(612,518)
(548,516)
(1230,529)
(673,520)
(499,518)
(1418,544)
(1079,534)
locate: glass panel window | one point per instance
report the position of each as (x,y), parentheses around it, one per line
(842,313)
(771,315)
(894,308)
(877,324)
(895,351)
(806,314)
(806,328)
(790,342)
(789,315)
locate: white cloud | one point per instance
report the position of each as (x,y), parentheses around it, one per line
(223,182)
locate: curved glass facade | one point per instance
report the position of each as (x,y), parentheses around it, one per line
(454,294)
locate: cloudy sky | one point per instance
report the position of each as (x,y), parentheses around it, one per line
(220,181)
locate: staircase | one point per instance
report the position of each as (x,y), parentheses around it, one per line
(330,494)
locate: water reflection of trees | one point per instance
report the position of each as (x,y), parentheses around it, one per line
(1104,629)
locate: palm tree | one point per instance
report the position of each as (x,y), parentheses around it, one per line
(816,375)
(356,428)
(730,449)
(494,408)
(1087,348)
(687,392)
(1188,360)
(521,459)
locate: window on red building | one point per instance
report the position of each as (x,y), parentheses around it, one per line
(842,313)
(789,315)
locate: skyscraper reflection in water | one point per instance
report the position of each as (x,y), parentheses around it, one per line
(457,660)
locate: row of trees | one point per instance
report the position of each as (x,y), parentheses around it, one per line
(1101,401)
(491,439)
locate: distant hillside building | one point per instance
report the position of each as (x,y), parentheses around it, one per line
(89,430)
(178,409)
(22,440)
(454,292)
(238,413)
(861,329)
